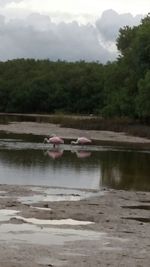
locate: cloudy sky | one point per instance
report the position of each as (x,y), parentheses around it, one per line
(65,29)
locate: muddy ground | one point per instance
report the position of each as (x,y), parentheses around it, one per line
(69,133)
(121,216)
(118,222)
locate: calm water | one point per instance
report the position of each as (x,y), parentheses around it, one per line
(26,160)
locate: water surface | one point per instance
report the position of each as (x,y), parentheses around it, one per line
(25,160)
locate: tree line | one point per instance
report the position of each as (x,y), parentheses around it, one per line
(116,89)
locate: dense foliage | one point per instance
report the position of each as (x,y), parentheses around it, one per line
(121,88)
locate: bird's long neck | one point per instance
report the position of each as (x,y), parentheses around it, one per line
(74,142)
(46,140)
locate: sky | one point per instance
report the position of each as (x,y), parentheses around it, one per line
(66,29)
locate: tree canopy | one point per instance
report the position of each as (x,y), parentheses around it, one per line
(120,88)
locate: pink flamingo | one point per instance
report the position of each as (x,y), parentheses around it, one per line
(81,141)
(55,140)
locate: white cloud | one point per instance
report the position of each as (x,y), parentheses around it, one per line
(5,2)
(84,6)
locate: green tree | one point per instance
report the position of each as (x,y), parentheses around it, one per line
(143,97)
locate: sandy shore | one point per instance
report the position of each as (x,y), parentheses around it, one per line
(117,223)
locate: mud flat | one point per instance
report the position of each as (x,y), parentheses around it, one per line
(104,137)
(111,228)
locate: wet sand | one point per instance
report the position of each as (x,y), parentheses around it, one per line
(45,129)
(118,222)
(117,233)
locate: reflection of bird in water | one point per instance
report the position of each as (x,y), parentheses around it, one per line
(53,139)
(83,154)
(81,141)
(55,153)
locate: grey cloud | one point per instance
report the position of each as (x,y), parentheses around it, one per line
(2,20)
(38,37)
(110,23)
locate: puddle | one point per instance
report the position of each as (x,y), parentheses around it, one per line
(38,232)
(40,208)
(31,199)
(52,222)
(6,215)
(33,234)
(55,194)
(50,198)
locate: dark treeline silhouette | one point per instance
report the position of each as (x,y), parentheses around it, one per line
(117,89)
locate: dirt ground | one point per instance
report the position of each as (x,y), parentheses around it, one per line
(118,222)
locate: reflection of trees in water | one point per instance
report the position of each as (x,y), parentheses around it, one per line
(126,170)
(24,158)
(41,159)
(73,160)
(119,169)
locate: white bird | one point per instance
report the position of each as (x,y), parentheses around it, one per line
(81,141)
